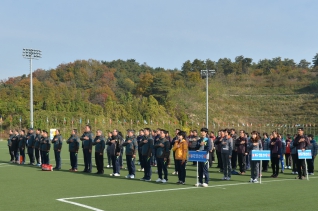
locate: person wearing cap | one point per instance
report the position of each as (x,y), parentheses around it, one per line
(57,141)
(147,145)
(162,153)
(73,146)
(180,149)
(37,146)
(99,142)
(204,144)
(131,147)
(45,148)
(31,142)
(87,142)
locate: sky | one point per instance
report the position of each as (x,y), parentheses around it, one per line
(161,33)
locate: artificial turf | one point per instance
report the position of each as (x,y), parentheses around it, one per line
(25,187)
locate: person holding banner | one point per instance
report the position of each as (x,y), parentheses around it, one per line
(180,149)
(254,144)
(204,144)
(301,143)
(276,150)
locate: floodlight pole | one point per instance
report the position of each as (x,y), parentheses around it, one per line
(31,54)
(207,73)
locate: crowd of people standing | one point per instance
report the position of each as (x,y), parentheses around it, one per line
(152,148)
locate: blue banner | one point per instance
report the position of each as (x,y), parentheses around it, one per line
(200,156)
(261,154)
(304,154)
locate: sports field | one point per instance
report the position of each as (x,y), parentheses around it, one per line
(25,187)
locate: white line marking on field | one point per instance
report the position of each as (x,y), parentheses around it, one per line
(4,163)
(66,200)
(5,166)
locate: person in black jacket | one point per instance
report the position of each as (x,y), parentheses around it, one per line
(173,153)
(301,142)
(115,149)
(73,147)
(22,144)
(57,141)
(10,146)
(87,142)
(15,146)
(30,144)
(99,143)
(37,146)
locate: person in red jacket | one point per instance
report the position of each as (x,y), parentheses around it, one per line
(287,154)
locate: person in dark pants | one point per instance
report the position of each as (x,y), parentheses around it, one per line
(109,160)
(131,147)
(139,139)
(41,146)
(45,148)
(15,146)
(204,145)
(294,155)
(57,141)
(173,154)
(73,147)
(37,146)
(115,148)
(218,146)
(266,144)
(10,146)
(87,142)
(22,144)
(193,140)
(276,149)
(162,153)
(147,145)
(241,146)
(211,152)
(180,149)
(99,142)
(301,143)
(31,142)
(313,147)
(234,150)
(117,135)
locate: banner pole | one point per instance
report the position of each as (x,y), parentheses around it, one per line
(198,173)
(260,173)
(306,169)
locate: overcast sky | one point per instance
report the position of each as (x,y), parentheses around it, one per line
(162,33)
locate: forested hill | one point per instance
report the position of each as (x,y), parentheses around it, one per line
(129,94)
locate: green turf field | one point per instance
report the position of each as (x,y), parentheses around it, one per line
(25,187)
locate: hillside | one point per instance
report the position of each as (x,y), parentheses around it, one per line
(127,94)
